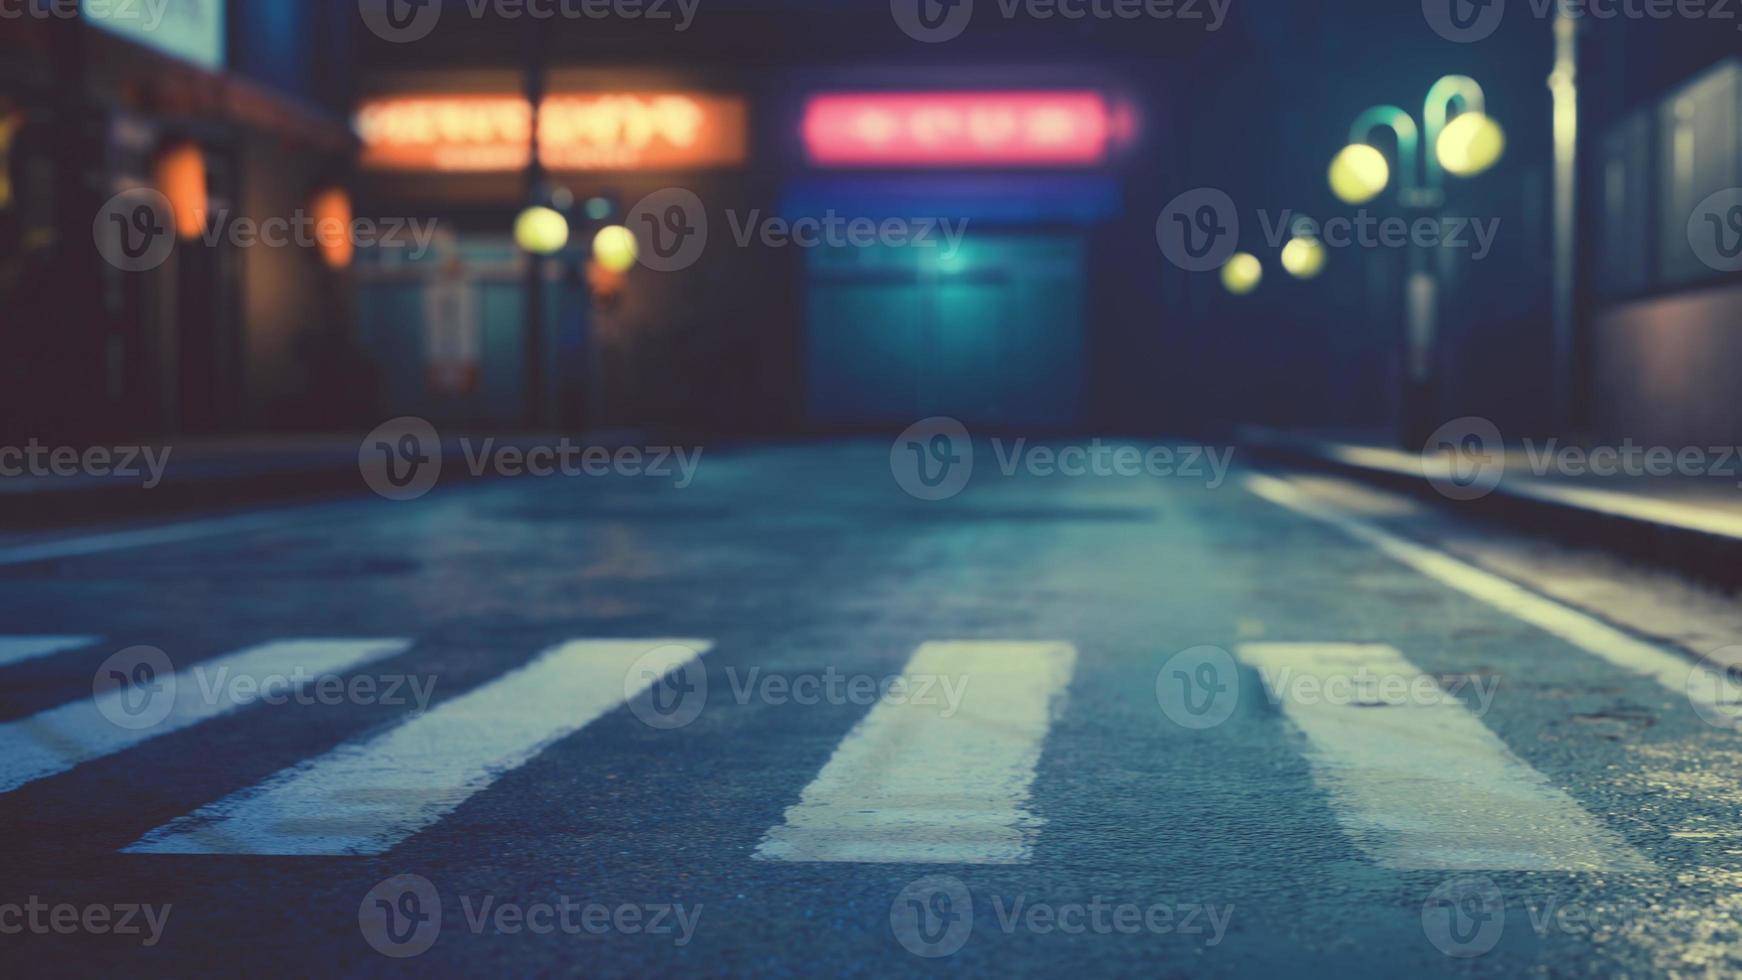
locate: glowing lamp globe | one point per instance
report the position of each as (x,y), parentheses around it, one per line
(614,248)
(1359,174)
(541,230)
(1304,258)
(1242,274)
(1470,144)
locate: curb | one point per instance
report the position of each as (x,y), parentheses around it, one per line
(1703,544)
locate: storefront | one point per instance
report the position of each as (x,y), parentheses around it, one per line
(449,326)
(979,309)
(976,304)
(189,343)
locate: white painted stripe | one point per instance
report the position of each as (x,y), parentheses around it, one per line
(59,739)
(126,539)
(914,783)
(1675,672)
(365,797)
(17,649)
(1418,782)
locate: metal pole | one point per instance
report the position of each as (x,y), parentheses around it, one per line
(1563,83)
(535,307)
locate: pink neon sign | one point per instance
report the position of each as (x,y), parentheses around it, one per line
(958,129)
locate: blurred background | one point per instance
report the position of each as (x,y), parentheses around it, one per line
(1592,315)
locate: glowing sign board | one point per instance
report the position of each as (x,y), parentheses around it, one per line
(958,129)
(618,131)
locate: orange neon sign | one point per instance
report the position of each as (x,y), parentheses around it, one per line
(616,131)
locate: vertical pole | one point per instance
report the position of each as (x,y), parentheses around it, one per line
(1563,83)
(535,308)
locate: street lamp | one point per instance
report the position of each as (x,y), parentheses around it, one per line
(1304,257)
(1242,273)
(614,248)
(1463,144)
(541,230)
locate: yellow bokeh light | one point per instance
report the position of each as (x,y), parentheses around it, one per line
(1242,273)
(614,248)
(541,230)
(1470,144)
(1359,174)
(1304,258)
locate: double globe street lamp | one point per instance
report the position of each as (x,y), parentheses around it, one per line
(1462,140)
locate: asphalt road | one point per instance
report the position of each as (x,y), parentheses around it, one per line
(793,720)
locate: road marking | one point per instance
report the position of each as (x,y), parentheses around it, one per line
(1421,784)
(56,740)
(365,797)
(297,516)
(913,784)
(17,649)
(1671,670)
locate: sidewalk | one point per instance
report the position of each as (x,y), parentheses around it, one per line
(213,474)
(1688,521)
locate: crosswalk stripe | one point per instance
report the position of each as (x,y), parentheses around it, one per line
(913,783)
(17,649)
(1415,778)
(366,797)
(1704,687)
(58,739)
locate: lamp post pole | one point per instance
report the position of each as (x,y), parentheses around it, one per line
(1421,188)
(535,267)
